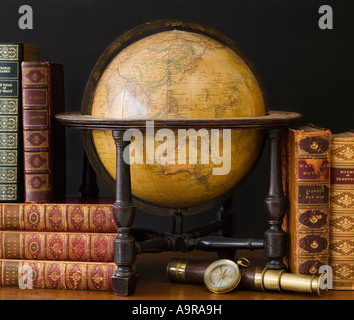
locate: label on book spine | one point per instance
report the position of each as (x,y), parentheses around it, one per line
(35,98)
(313,194)
(8,70)
(35,119)
(8,88)
(313,169)
(342,176)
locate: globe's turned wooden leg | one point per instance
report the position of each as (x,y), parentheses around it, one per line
(275,204)
(124,278)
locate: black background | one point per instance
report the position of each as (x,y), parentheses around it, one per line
(303,68)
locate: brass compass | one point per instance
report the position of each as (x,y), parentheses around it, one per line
(224,275)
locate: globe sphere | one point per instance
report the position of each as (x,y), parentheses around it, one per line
(179,74)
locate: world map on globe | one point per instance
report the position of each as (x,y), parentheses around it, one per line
(179,74)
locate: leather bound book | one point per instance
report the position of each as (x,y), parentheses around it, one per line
(11,147)
(44,138)
(341,244)
(308,187)
(75,246)
(57,217)
(39,274)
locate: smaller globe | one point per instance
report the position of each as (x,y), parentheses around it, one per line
(178,75)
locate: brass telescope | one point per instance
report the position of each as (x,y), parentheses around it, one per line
(279,280)
(252,278)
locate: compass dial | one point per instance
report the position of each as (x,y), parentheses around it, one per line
(222,276)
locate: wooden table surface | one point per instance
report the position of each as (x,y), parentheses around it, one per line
(153,284)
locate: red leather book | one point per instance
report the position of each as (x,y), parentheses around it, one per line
(33,274)
(44,138)
(72,217)
(60,246)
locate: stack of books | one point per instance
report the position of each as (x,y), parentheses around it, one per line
(318,176)
(45,241)
(61,246)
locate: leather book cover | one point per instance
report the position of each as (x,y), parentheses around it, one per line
(39,274)
(307,187)
(57,217)
(44,138)
(11,139)
(70,246)
(341,244)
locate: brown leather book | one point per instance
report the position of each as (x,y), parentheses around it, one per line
(44,138)
(60,246)
(341,244)
(307,184)
(33,274)
(58,217)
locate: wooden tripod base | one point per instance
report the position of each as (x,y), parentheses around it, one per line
(124,280)
(125,246)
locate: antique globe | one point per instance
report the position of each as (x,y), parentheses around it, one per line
(176,74)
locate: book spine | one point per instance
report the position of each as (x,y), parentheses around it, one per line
(57,217)
(57,246)
(11,148)
(56,275)
(40,80)
(342,213)
(11,184)
(309,186)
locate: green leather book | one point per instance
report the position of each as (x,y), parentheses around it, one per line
(11,133)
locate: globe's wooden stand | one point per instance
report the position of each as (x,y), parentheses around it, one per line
(126,248)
